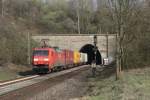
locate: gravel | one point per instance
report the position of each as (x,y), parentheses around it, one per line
(72,86)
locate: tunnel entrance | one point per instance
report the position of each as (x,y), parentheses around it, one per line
(88,48)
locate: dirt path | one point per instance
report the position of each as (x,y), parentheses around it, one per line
(66,87)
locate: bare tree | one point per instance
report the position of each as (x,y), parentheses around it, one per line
(2,7)
(123,12)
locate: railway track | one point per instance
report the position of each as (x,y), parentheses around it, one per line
(11,86)
(17,80)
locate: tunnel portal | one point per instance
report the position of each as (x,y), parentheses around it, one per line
(88,48)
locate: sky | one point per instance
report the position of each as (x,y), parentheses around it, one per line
(94,5)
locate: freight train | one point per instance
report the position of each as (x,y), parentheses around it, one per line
(50,59)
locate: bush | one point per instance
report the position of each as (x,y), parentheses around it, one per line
(138,52)
(14,45)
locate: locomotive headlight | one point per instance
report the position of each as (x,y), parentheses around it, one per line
(35,59)
(45,59)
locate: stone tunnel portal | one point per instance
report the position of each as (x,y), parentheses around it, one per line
(88,48)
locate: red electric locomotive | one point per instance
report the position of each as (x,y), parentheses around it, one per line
(48,59)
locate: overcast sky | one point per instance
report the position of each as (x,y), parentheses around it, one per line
(94,5)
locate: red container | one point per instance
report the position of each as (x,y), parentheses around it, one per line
(68,57)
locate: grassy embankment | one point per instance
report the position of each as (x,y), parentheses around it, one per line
(134,85)
(11,71)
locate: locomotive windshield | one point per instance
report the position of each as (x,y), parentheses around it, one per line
(40,53)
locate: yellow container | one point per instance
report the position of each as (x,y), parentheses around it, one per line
(76,56)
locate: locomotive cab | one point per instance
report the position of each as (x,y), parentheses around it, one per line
(41,60)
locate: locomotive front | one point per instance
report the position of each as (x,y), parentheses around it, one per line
(40,60)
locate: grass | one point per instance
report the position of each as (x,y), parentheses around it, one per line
(134,85)
(7,75)
(12,71)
